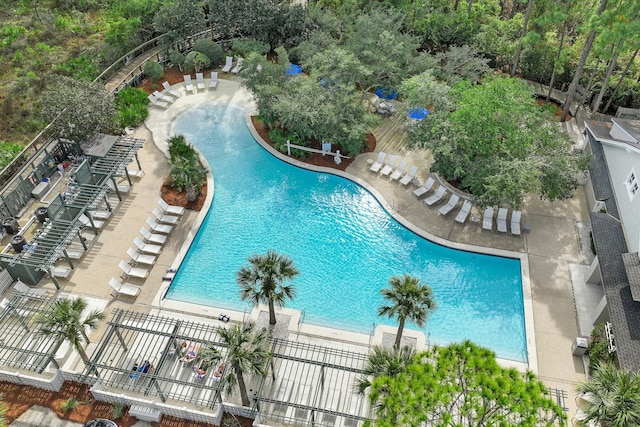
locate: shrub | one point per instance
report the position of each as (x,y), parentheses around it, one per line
(212,50)
(80,67)
(177,58)
(196,60)
(117,410)
(131,107)
(186,172)
(153,70)
(178,147)
(279,139)
(245,47)
(8,152)
(599,349)
(69,404)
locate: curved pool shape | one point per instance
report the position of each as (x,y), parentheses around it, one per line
(344,243)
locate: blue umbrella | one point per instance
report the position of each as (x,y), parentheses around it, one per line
(386,93)
(293,70)
(418,113)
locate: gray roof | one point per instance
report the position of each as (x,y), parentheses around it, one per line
(599,172)
(629,125)
(624,312)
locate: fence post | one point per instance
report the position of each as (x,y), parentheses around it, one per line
(288,147)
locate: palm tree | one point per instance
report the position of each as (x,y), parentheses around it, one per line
(382,361)
(262,281)
(209,356)
(613,397)
(64,321)
(409,300)
(247,350)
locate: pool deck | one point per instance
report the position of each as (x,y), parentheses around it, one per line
(547,251)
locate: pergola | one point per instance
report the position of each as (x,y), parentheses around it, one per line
(306,384)
(21,344)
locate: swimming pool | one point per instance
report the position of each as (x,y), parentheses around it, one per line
(344,243)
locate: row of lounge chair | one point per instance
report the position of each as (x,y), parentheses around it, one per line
(147,248)
(228,65)
(501,220)
(200,82)
(397,171)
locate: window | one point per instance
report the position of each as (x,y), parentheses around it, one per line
(632,184)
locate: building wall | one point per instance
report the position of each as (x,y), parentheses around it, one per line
(620,162)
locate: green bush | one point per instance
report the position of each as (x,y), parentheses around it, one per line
(177,58)
(212,50)
(8,152)
(196,60)
(178,147)
(599,349)
(279,139)
(131,107)
(153,70)
(117,410)
(81,67)
(186,172)
(245,47)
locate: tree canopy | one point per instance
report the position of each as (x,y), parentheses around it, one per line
(461,384)
(498,145)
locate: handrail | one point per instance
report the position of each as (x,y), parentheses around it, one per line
(127,56)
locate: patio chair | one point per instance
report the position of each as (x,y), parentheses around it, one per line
(157,102)
(464,212)
(391,164)
(377,165)
(124,288)
(487,219)
(153,238)
(146,248)
(213,83)
(188,84)
(122,188)
(435,197)
(138,258)
(453,201)
(101,215)
(200,81)
(170,91)
(228,64)
(238,66)
(61,272)
(191,353)
(428,185)
(396,174)
(20,286)
(164,98)
(409,176)
(170,209)
(515,222)
(502,220)
(163,218)
(87,222)
(158,228)
(128,271)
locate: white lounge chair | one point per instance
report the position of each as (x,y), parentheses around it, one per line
(391,163)
(200,81)
(62,272)
(87,223)
(502,220)
(135,173)
(464,212)
(147,248)
(396,174)
(238,66)
(188,84)
(128,271)
(377,165)
(102,214)
(428,185)
(515,222)
(138,258)
(487,219)
(163,218)
(213,83)
(170,91)
(156,239)
(453,201)
(170,209)
(435,197)
(409,176)
(124,288)
(228,64)
(159,228)
(164,98)
(122,188)
(20,286)
(157,102)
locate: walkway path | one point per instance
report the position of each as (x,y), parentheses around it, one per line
(116,80)
(39,416)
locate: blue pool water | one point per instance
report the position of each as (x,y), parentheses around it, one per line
(343,242)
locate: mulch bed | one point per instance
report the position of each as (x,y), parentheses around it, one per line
(18,398)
